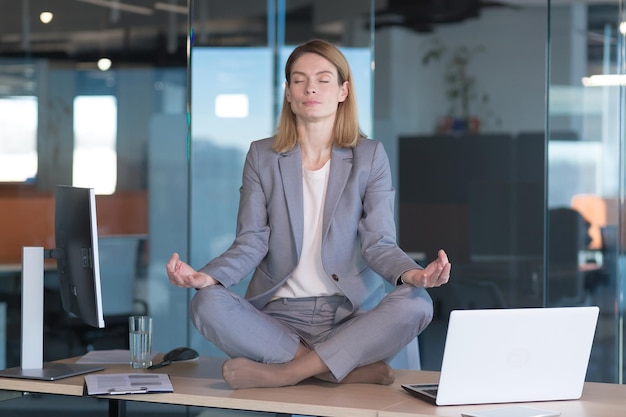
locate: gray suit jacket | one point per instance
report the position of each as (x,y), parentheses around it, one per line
(359,236)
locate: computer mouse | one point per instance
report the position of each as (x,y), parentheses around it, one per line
(180,354)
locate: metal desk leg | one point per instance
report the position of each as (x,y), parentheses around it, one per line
(117,408)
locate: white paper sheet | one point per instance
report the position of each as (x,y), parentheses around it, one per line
(130,383)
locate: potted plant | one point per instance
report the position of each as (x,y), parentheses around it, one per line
(461,86)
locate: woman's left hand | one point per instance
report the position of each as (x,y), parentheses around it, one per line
(435,274)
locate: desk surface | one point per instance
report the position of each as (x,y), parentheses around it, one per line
(200,384)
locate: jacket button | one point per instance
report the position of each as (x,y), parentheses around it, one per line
(335,277)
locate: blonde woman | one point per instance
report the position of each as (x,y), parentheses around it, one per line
(316,228)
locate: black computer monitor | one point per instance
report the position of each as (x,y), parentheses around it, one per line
(76,253)
(76,235)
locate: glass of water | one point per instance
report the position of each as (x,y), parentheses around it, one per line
(140,338)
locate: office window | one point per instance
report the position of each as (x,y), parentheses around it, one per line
(95,133)
(18,130)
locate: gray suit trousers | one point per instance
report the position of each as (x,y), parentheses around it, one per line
(274,334)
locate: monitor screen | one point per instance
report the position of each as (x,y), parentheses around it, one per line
(76,253)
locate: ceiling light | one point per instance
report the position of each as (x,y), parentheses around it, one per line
(622,28)
(46,17)
(104,64)
(604,80)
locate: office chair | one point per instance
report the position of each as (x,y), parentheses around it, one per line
(119,269)
(568,234)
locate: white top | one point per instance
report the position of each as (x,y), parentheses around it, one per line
(309,279)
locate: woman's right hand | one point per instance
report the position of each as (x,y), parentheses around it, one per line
(184,276)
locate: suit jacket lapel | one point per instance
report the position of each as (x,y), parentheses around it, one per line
(340,167)
(290,165)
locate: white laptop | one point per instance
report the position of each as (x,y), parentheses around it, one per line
(513,355)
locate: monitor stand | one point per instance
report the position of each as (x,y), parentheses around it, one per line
(32,365)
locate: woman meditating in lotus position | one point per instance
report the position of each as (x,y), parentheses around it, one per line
(316,225)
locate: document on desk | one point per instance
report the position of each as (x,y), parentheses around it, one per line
(127,383)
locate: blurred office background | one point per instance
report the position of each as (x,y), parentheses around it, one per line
(154,104)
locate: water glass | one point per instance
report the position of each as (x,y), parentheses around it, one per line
(140,338)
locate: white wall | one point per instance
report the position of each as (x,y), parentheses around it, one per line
(512,71)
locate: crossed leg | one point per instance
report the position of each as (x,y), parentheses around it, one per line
(245,373)
(271,343)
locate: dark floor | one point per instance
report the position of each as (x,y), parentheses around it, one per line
(60,406)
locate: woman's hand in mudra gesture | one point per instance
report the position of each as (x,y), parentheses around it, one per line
(435,274)
(184,276)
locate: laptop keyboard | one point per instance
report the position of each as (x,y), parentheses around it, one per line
(422,390)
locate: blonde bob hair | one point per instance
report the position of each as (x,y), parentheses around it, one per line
(346,131)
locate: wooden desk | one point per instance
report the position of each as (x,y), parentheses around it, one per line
(598,400)
(200,384)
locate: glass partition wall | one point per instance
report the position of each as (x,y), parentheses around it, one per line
(471,156)
(585,182)
(510,159)
(86,89)
(494,145)
(505,150)
(94,94)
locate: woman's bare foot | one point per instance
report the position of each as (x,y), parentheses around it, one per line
(375,373)
(244,373)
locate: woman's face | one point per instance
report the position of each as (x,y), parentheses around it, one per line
(314,91)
